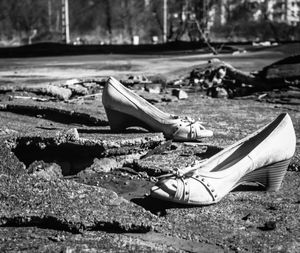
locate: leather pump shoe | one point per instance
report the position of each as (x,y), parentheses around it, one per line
(262,158)
(126,109)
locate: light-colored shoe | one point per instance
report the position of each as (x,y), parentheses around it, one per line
(126,109)
(262,158)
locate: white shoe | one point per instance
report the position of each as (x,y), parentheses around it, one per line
(126,109)
(262,157)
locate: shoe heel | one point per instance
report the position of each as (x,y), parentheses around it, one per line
(270,176)
(119,121)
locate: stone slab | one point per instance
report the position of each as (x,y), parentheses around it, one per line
(63,204)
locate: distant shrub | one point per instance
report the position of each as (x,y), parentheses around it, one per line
(254,31)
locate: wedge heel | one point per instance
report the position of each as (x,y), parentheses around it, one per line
(119,121)
(269,176)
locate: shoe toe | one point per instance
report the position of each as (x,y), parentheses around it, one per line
(201,131)
(174,190)
(199,194)
(192,132)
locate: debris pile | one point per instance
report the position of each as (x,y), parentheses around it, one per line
(153,88)
(221,80)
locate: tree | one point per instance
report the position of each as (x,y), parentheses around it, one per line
(28,15)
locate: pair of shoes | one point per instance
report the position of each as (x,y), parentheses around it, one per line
(263,158)
(126,109)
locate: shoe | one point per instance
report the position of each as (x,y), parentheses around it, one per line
(126,109)
(262,158)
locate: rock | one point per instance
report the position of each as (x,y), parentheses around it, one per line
(78,90)
(153,88)
(103,165)
(69,135)
(180,94)
(76,86)
(60,112)
(50,90)
(46,171)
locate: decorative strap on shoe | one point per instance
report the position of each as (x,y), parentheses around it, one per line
(187,171)
(180,173)
(183,189)
(195,126)
(195,129)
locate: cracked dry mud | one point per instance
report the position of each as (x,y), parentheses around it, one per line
(68,184)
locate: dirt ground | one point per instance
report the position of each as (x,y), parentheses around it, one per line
(45,69)
(87,210)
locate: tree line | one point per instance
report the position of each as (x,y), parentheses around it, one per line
(117,21)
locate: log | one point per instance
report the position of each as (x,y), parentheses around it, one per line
(286,71)
(287,68)
(240,76)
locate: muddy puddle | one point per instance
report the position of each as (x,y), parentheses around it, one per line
(124,182)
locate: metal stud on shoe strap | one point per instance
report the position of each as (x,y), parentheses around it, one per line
(208,187)
(193,132)
(186,196)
